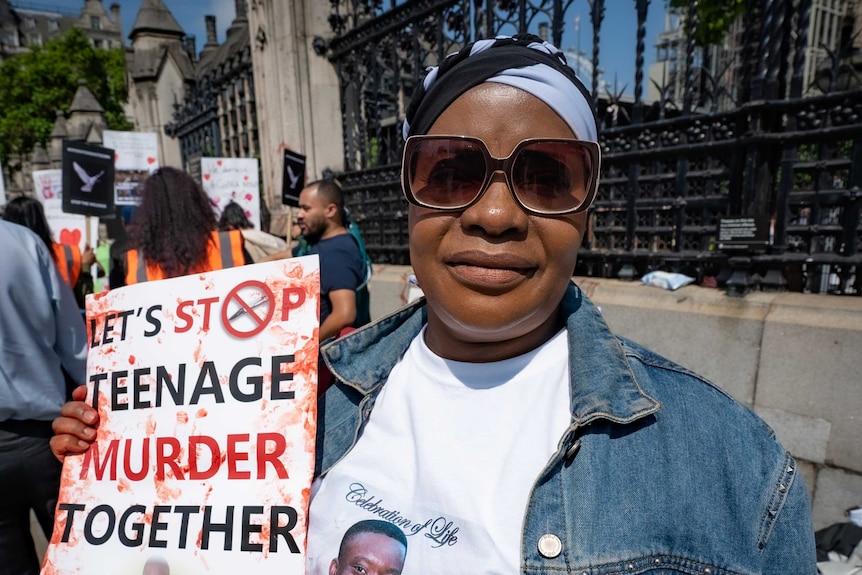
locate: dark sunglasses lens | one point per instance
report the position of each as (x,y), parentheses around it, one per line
(446,172)
(552,177)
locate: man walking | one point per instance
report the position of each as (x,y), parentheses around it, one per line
(42,342)
(342,270)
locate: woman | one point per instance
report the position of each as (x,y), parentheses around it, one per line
(73,264)
(173,232)
(498,421)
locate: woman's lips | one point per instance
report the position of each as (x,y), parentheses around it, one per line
(485,269)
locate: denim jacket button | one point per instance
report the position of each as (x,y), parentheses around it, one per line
(550,545)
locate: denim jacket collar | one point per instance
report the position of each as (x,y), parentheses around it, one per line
(602,384)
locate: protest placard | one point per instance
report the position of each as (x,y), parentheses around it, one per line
(136,156)
(206,388)
(294,178)
(233,179)
(67,229)
(88,179)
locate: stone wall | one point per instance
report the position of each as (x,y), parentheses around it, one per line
(796,359)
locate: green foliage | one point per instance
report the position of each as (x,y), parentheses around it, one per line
(34,85)
(714,18)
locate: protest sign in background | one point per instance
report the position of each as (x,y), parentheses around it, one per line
(206,391)
(136,156)
(69,229)
(226,179)
(88,179)
(294,178)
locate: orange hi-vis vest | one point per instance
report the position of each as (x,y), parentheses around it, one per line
(224,251)
(68,260)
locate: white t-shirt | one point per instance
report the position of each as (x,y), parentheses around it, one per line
(449,455)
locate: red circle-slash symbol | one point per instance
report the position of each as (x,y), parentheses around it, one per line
(264,296)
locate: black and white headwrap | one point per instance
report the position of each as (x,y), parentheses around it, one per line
(524,61)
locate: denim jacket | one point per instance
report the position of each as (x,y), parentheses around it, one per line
(659,472)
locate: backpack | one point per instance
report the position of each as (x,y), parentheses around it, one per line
(363,298)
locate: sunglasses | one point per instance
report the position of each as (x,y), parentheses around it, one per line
(547,176)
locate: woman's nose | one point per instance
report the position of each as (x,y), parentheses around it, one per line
(496,212)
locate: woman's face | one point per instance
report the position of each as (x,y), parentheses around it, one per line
(493,274)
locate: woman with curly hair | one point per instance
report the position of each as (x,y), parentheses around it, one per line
(174,232)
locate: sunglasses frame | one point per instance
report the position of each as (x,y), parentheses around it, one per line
(504,165)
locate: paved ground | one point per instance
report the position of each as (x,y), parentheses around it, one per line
(38,536)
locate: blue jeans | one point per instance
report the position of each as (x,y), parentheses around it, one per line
(29,479)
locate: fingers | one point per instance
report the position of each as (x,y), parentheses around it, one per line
(79,393)
(65,444)
(75,429)
(88,256)
(78,412)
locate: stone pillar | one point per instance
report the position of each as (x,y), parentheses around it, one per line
(296,93)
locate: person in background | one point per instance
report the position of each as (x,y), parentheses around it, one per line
(174,233)
(303,246)
(258,243)
(119,230)
(43,349)
(297,243)
(498,417)
(343,271)
(73,264)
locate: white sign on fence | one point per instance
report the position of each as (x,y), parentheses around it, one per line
(233,179)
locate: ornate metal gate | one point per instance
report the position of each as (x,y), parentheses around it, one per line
(753,141)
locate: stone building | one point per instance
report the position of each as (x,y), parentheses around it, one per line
(297,96)
(218,116)
(22,27)
(198,104)
(85,123)
(160,70)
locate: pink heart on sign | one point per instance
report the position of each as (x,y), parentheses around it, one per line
(70,237)
(247,213)
(245,178)
(206,176)
(248,197)
(218,162)
(150,160)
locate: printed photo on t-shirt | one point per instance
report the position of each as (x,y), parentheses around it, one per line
(370,547)
(370,531)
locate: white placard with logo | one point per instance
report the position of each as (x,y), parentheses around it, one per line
(233,179)
(136,156)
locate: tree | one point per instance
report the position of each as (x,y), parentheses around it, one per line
(714,18)
(34,85)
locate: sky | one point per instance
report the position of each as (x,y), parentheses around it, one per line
(616,51)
